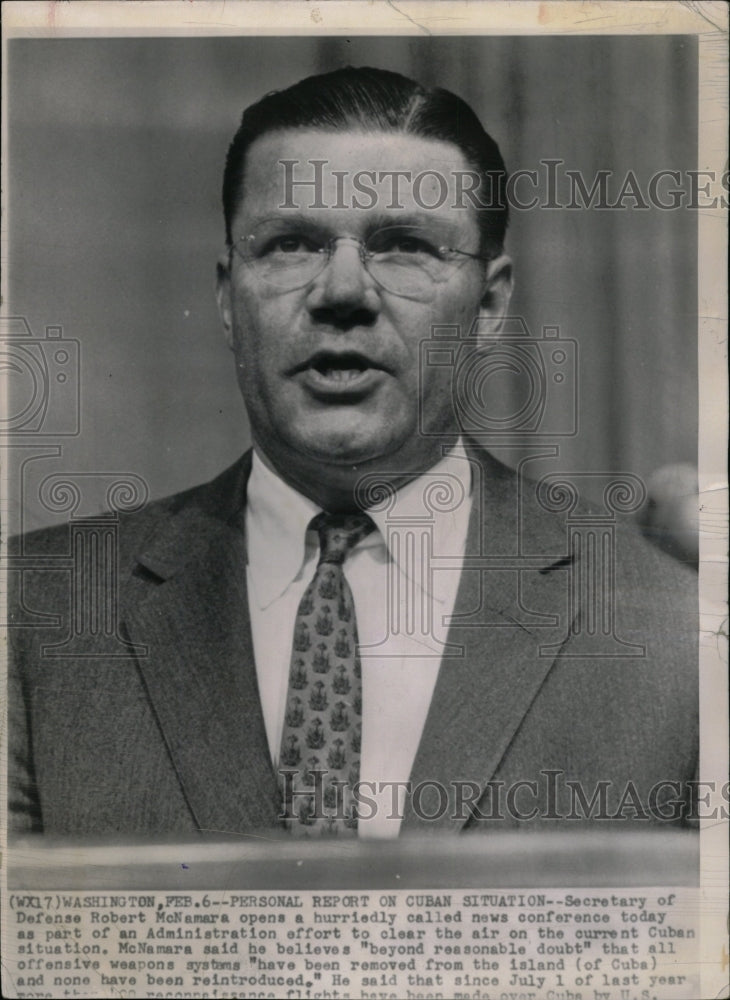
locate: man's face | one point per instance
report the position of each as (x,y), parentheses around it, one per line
(329,372)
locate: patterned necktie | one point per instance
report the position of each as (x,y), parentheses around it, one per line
(320,746)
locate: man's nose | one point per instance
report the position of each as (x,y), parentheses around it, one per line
(344,293)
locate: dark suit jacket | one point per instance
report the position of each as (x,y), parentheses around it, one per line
(169,736)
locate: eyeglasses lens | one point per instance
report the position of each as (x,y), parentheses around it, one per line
(404,260)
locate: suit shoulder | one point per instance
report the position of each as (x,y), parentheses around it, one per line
(135,527)
(547,516)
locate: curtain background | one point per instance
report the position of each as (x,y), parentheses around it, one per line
(116,151)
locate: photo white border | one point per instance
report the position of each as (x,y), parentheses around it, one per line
(707,20)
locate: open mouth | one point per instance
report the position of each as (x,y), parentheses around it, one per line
(340,368)
(340,374)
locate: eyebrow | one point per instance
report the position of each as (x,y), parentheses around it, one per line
(374,222)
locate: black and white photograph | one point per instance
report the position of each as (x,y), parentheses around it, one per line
(364,495)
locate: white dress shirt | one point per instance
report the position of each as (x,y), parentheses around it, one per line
(402,602)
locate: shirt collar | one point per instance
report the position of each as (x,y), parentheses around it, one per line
(277,518)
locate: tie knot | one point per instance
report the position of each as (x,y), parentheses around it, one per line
(339,533)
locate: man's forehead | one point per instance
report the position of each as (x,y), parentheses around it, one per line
(331,174)
(363,148)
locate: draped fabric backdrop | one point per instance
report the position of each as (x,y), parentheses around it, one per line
(115,163)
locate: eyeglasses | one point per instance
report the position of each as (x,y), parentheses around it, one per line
(405,260)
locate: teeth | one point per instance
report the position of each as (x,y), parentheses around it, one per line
(341,374)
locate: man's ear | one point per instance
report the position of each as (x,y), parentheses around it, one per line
(223,296)
(497,294)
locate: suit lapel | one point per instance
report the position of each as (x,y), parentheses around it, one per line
(199,672)
(501,619)
(201,678)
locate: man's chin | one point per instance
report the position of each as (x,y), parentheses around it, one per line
(348,451)
(346,457)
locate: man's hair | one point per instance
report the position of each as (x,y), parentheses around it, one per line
(368,100)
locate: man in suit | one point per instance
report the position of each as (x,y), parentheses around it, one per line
(450,657)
